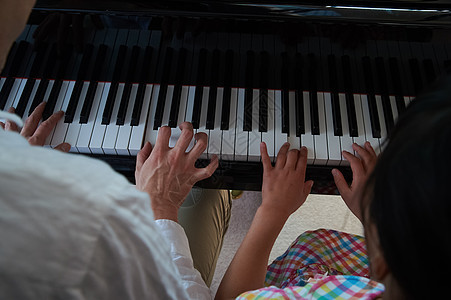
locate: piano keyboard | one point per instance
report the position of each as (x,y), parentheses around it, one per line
(128,83)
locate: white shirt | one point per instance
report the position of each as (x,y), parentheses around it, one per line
(72,228)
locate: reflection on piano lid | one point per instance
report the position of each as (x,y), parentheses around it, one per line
(324,85)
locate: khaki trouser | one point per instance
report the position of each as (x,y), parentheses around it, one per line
(205,216)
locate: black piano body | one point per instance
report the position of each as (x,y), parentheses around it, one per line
(321,73)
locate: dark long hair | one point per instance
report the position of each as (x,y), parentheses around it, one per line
(411,194)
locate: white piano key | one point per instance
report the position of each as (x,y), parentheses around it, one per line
(109,140)
(190,104)
(295,141)
(167,105)
(73,130)
(254,136)
(321,148)
(279,137)
(394,108)
(183,104)
(61,128)
(215,135)
(137,136)
(229,136)
(346,140)
(125,131)
(48,91)
(241,136)
(268,137)
(86,130)
(33,93)
(98,133)
(16,92)
(380,110)
(2,81)
(203,118)
(360,139)
(407,100)
(333,141)
(366,118)
(151,134)
(307,139)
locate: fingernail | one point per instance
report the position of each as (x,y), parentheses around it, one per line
(334,172)
(66,147)
(303,149)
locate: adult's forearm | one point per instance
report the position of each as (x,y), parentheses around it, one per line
(247,270)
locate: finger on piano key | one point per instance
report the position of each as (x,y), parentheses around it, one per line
(125,131)
(203,117)
(367,121)
(295,142)
(151,133)
(61,128)
(73,130)
(136,139)
(98,133)
(280,138)
(307,139)
(215,134)
(241,136)
(321,147)
(56,107)
(86,130)
(333,141)
(255,136)
(175,135)
(229,135)
(109,141)
(268,136)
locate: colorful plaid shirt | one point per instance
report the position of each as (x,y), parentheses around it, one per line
(321,264)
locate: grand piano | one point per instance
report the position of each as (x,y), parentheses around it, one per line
(323,74)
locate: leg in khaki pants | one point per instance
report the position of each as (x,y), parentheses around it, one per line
(205,216)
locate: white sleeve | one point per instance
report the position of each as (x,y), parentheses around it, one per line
(181,255)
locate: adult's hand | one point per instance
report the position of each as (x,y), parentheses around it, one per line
(36,133)
(168,174)
(361,167)
(284,189)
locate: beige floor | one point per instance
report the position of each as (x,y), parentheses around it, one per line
(319,211)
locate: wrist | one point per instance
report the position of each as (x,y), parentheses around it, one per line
(165,210)
(272,216)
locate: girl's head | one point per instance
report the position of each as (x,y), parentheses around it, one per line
(407,211)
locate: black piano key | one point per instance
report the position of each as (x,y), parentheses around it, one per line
(396,77)
(285,94)
(249,93)
(313,96)
(24,97)
(108,110)
(120,120)
(199,88)
(60,70)
(429,70)
(299,95)
(416,75)
(299,106)
(175,105)
(82,75)
(226,100)
(374,117)
(89,99)
(211,109)
(336,114)
(137,108)
(386,106)
(163,88)
(350,105)
(263,110)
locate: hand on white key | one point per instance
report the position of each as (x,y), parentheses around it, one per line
(175,135)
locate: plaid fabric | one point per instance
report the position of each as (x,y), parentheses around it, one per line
(319,252)
(328,287)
